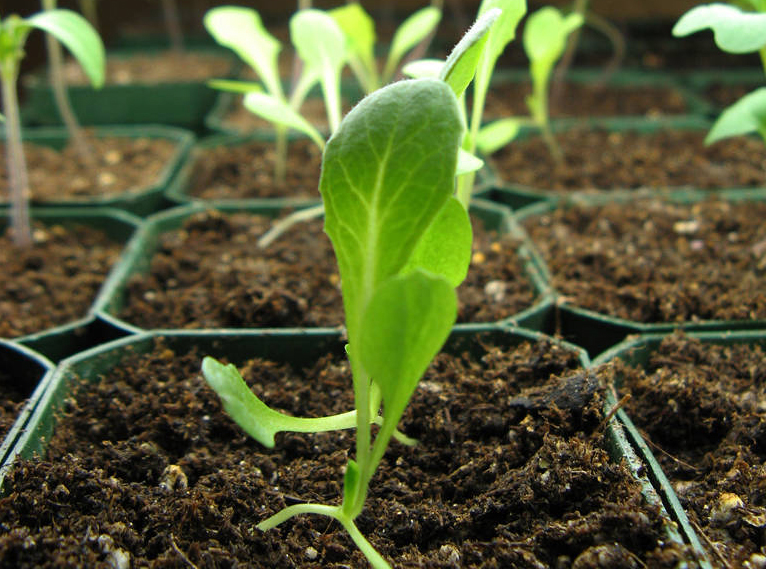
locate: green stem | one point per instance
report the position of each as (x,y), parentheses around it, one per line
(88,9)
(18,179)
(63,103)
(375,558)
(762,54)
(280,164)
(173,24)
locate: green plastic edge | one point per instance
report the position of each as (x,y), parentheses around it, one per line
(635,350)
(580,318)
(140,201)
(61,341)
(181,104)
(14,355)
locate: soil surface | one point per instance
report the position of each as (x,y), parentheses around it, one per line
(244,171)
(721,95)
(210,274)
(572,99)
(154,68)
(55,281)
(599,159)
(11,401)
(651,261)
(122,164)
(703,409)
(144,468)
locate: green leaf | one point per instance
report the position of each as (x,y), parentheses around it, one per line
(235,86)
(386,173)
(350,482)
(411,32)
(320,43)
(460,67)
(405,325)
(254,416)
(445,248)
(497,134)
(743,117)
(279,112)
(546,32)
(359,29)
(504,31)
(78,36)
(734,30)
(241,30)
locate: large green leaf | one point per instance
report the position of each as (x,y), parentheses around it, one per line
(412,31)
(386,173)
(445,248)
(743,117)
(78,36)
(241,30)
(405,325)
(734,30)
(278,111)
(321,44)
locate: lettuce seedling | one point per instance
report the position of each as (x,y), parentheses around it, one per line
(72,30)
(388,176)
(359,30)
(321,46)
(735,31)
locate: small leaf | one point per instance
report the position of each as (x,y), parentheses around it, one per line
(235,86)
(467,162)
(445,248)
(359,29)
(321,44)
(78,36)
(423,68)
(254,416)
(351,482)
(411,32)
(546,32)
(241,30)
(460,67)
(279,112)
(504,31)
(497,134)
(410,316)
(734,30)
(743,117)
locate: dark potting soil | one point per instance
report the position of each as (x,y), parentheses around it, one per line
(211,274)
(510,471)
(572,99)
(598,159)
(721,95)
(11,400)
(702,407)
(652,261)
(122,164)
(244,171)
(53,282)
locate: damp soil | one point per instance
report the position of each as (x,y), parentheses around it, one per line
(510,471)
(56,280)
(574,99)
(210,274)
(702,407)
(121,165)
(651,261)
(721,95)
(11,401)
(245,171)
(597,159)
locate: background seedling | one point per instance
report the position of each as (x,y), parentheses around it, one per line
(359,30)
(735,30)
(319,43)
(72,30)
